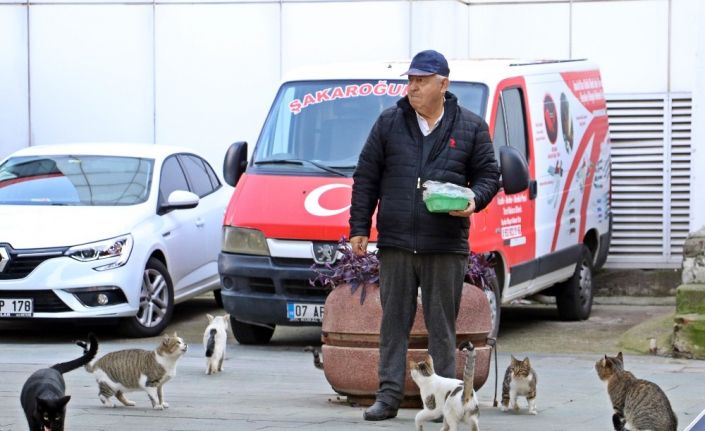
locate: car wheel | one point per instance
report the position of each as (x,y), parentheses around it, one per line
(218,298)
(495,301)
(246,333)
(574,296)
(156,302)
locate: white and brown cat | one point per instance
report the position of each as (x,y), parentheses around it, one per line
(137,369)
(215,339)
(455,400)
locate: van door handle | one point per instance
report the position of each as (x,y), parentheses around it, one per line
(200,222)
(533,189)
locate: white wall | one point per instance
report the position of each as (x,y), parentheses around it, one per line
(14,104)
(202,73)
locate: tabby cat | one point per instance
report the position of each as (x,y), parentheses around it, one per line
(137,369)
(445,397)
(638,404)
(43,395)
(519,381)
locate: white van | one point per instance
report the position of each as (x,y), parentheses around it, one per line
(290,206)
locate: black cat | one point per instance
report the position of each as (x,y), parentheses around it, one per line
(43,395)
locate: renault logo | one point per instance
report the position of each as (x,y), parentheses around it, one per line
(4,258)
(324,252)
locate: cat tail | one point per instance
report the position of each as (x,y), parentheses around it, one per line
(210,346)
(88,354)
(468,372)
(317,360)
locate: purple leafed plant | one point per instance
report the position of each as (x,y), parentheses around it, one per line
(361,271)
(356,271)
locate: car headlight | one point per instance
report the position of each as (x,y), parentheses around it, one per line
(119,247)
(244,241)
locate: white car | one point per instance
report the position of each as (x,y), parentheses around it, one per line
(108,231)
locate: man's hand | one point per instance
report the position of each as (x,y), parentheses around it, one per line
(359,245)
(467,212)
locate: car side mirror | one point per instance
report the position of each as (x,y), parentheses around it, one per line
(179,200)
(515,171)
(235,162)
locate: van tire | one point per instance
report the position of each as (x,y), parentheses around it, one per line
(495,300)
(574,296)
(246,333)
(218,297)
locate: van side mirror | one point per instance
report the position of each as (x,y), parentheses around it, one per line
(515,171)
(235,162)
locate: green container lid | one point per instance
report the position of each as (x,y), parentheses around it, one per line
(444,204)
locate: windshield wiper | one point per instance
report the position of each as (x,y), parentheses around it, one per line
(300,162)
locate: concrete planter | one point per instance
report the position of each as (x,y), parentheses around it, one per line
(350,336)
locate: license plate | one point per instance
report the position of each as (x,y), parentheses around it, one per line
(16,307)
(297,312)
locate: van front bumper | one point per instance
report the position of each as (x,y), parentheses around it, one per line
(257,289)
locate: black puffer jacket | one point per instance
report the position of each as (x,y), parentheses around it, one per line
(390,172)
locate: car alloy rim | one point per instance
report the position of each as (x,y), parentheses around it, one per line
(154,299)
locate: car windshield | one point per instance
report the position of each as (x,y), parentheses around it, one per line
(323,124)
(75,180)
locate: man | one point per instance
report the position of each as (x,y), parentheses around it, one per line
(426,136)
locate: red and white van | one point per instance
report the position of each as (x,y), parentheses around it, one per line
(290,205)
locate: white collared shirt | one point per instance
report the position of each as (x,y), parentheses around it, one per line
(423,124)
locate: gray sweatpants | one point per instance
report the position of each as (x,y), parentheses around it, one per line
(440,277)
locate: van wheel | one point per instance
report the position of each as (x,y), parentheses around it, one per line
(495,300)
(246,333)
(574,296)
(156,302)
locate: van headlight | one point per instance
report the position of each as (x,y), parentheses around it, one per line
(119,247)
(244,241)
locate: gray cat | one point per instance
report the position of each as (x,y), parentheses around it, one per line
(136,369)
(638,404)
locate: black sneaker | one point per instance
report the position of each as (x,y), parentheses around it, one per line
(380,411)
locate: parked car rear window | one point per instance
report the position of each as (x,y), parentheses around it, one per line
(75,180)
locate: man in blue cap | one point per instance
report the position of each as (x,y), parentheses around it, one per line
(426,136)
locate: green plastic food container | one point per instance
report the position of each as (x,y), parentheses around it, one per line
(444,204)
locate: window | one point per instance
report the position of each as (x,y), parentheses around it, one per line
(172,178)
(515,125)
(197,174)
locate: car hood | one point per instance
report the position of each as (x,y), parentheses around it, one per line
(60,226)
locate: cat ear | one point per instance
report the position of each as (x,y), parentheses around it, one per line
(63,401)
(526,361)
(175,336)
(514,360)
(210,317)
(620,357)
(226,319)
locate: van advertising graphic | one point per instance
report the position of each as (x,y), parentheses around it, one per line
(379,88)
(573,179)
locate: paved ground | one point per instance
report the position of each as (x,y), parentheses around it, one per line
(276,387)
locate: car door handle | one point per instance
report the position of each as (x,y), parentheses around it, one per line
(200,222)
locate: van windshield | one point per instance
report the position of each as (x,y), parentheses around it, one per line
(320,127)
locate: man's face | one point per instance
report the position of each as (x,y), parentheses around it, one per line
(426,92)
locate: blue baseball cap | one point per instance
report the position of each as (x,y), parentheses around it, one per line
(428,62)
